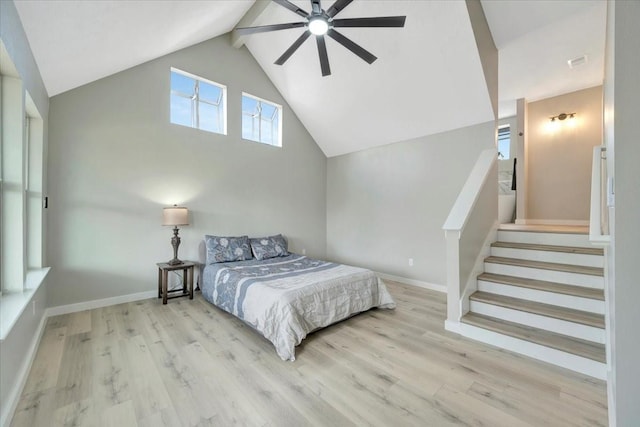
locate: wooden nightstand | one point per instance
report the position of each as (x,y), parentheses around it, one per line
(187,268)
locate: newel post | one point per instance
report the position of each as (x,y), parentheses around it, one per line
(453,280)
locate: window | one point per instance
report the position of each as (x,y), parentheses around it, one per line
(504,142)
(21,186)
(198,103)
(261,120)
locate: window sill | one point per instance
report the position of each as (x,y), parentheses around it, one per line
(13,304)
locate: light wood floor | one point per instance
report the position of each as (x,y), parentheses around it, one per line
(188,363)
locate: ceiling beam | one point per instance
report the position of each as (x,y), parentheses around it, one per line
(248,20)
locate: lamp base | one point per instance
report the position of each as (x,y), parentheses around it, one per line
(175,242)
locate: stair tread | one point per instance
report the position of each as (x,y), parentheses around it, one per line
(576,346)
(569,268)
(549,248)
(554,311)
(541,285)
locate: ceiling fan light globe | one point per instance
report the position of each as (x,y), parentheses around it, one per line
(318,26)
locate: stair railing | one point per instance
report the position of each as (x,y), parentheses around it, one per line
(471,219)
(599,215)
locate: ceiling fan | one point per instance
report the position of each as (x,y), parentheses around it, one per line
(321,22)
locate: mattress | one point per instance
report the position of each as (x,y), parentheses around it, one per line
(286,298)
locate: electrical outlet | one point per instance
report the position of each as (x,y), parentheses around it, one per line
(304,251)
(410,262)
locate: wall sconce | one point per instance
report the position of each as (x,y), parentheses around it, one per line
(563,116)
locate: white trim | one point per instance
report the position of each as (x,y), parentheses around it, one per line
(98,303)
(413,282)
(452,326)
(13,304)
(596,235)
(16,391)
(576,222)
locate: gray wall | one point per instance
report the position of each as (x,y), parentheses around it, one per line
(559,157)
(116,161)
(388,204)
(626,241)
(14,348)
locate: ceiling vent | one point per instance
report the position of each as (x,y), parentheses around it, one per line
(576,62)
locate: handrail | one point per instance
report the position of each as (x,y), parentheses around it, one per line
(459,214)
(598,233)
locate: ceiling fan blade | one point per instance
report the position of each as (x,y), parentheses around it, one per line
(337,7)
(315,6)
(265,28)
(292,7)
(324,58)
(352,46)
(382,21)
(296,44)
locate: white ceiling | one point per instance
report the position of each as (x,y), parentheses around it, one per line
(406,93)
(536,39)
(76,42)
(427,78)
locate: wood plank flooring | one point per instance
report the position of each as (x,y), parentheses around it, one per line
(190,364)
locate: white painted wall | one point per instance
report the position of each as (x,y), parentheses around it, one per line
(388,204)
(624,97)
(116,161)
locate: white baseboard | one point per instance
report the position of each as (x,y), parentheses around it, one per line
(413,282)
(98,303)
(452,326)
(13,398)
(577,222)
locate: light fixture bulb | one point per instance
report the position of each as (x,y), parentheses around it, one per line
(318,26)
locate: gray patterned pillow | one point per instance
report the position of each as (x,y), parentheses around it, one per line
(269,247)
(227,249)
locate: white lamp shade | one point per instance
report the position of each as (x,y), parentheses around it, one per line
(175,215)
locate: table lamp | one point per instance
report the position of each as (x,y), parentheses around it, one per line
(175,215)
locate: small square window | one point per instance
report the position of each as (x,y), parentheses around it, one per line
(504,142)
(198,103)
(261,120)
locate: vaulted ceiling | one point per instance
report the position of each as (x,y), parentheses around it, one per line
(427,79)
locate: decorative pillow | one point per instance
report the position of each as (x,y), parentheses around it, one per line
(269,247)
(227,249)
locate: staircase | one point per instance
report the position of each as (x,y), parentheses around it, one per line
(542,295)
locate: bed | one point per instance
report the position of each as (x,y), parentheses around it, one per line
(286,296)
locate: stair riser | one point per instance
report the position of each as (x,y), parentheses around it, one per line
(596,282)
(563,327)
(548,256)
(536,351)
(557,239)
(562,300)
